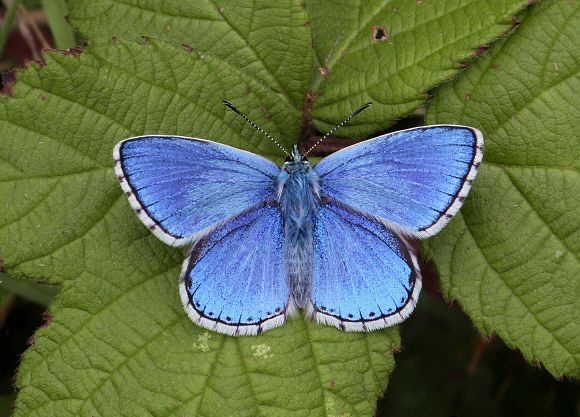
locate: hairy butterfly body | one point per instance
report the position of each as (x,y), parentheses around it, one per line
(299,197)
(331,240)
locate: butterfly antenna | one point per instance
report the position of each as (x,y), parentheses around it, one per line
(345,121)
(254,125)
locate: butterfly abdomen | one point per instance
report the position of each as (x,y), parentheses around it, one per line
(299,202)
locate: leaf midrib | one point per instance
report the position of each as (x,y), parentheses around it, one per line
(547,224)
(498,276)
(110,374)
(97,315)
(370,86)
(337,55)
(257,56)
(30,209)
(344,44)
(82,234)
(176,93)
(529,101)
(281,91)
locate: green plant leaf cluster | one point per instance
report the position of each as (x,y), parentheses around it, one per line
(512,256)
(119,342)
(424,43)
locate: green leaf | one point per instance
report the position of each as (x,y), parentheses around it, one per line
(268,40)
(119,342)
(27,288)
(512,256)
(424,45)
(62,32)
(426,42)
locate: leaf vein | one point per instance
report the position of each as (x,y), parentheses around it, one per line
(516,295)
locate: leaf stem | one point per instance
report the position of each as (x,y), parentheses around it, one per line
(7,24)
(28,288)
(63,33)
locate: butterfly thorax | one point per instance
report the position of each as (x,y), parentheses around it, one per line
(298,191)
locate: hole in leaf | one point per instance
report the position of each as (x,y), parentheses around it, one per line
(379,33)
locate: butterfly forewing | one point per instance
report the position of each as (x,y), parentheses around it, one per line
(181,187)
(414,180)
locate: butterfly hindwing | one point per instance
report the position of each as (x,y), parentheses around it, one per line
(364,276)
(415,180)
(233,280)
(180,187)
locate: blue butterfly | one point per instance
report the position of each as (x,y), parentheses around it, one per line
(331,240)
